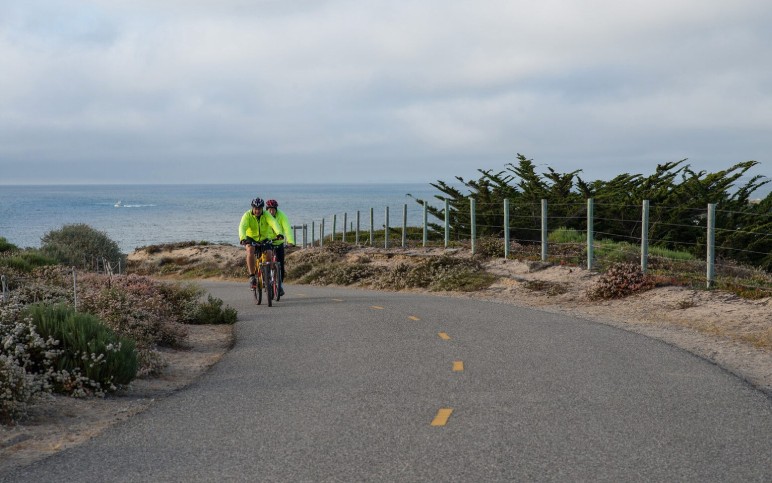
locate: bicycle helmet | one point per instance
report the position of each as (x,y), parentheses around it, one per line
(258,203)
(271,204)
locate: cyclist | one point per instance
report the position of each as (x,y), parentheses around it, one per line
(286,229)
(256,226)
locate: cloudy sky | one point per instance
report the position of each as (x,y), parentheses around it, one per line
(227,91)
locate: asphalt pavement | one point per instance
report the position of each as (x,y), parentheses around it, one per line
(334,384)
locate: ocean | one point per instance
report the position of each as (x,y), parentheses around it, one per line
(141,215)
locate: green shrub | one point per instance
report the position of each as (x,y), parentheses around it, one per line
(490,247)
(212,312)
(93,358)
(6,246)
(79,245)
(619,281)
(566,235)
(25,260)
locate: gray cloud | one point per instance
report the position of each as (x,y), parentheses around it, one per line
(366,91)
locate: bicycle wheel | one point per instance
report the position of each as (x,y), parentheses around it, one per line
(267,284)
(277,280)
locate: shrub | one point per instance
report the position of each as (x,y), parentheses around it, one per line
(490,247)
(6,246)
(92,358)
(79,245)
(566,235)
(25,363)
(212,312)
(619,281)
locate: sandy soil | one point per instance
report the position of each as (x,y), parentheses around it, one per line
(734,333)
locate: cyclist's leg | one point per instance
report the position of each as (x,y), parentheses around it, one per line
(251,263)
(280,259)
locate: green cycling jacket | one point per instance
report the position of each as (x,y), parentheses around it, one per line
(286,228)
(260,229)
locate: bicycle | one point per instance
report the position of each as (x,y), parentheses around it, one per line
(266,273)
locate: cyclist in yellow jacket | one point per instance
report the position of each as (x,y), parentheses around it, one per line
(286,229)
(257,226)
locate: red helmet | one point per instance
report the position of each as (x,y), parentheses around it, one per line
(271,204)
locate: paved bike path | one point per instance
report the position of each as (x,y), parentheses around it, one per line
(343,385)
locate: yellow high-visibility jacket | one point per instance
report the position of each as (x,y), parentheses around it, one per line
(286,228)
(261,229)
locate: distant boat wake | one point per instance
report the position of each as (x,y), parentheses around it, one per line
(120,204)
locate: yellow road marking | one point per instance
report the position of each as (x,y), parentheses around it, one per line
(458,366)
(444,336)
(377,307)
(441,419)
(413,317)
(337,300)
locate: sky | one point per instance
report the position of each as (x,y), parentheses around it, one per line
(363,91)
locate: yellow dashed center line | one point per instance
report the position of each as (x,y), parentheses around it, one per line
(441,419)
(376,307)
(444,336)
(458,366)
(413,317)
(337,300)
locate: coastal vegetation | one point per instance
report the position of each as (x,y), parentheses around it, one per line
(90,337)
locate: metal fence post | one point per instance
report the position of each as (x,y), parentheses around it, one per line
(543,230)
(372,228)
(334,226)
(404,225)
(506,227)
(590,235)
(356,235)
(711,258)
(473,222)
(386,230)
(447,223)
(426,227)
(345,223)
(305,235)
(645,236)
(313,233)
(321,234)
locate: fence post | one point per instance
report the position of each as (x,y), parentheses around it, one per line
(645,237)
(447,223)
(305,235)
(404,225)
(506,228)
(334,226)
(321,234)
(473,221)
(313,233)
(543,230)
(426,228)
(74,289)
(294,232)
(372,229)
(590,235)
(386,230)
(345,223)
(4,283)
(356,235)
(711,244)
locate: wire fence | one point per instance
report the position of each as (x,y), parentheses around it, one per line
(100,265)
(641,234)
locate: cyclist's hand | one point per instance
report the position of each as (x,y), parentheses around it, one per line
(243,242)
(280,237)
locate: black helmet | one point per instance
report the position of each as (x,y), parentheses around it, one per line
(258,203)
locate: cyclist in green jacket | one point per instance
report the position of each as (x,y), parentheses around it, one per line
(257,226)
(286,230)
